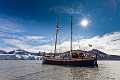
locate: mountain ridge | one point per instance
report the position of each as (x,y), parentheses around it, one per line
(101,55)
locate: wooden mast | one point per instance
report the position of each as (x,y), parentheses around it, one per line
(57,27)
(71,40)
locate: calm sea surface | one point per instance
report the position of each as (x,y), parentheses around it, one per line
(34,70)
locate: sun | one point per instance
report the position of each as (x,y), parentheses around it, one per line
(84,22)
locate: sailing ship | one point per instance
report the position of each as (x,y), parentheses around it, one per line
(72,57)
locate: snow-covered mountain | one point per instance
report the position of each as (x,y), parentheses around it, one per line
(23,52)
(18,55)
(3,52)
(103,56)
(19,51)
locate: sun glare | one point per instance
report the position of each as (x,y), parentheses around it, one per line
(84,22)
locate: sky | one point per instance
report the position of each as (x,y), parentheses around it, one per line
(31,25)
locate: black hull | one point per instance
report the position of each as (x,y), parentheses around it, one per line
(71,62)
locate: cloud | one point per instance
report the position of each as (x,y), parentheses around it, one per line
(43,48)
(34,37)
(17,43)
(26,38)
(9,25)
(73,9)
(11,28)
(20,44)
(31,38)
(10,34)
(37,39)
(108,43)
(3,34)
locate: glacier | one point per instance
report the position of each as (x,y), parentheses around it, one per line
(19,57)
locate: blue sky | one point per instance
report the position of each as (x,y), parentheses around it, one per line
(30,24)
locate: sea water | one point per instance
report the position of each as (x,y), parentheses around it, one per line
(34,70)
